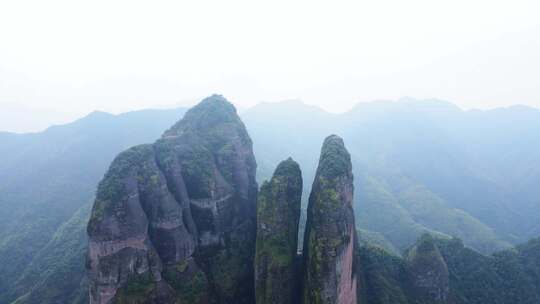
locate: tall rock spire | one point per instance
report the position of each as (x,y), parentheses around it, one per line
(330,238)
(428,272)
(278,215)
(175,221)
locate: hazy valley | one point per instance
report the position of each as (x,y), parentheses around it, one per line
(419,166)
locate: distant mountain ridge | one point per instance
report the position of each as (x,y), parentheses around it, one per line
(476,177)
(432,152)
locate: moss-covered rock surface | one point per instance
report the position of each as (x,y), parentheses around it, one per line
(330,239)
(174,221)
(278,215)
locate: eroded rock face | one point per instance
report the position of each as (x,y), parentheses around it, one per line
(278,216)
(330,240)
(428,271)
(175,221)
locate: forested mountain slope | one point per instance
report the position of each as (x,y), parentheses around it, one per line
(465,276)
(45,178)
(419,166)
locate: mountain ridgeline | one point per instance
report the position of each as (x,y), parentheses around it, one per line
(181,220)
(420,166)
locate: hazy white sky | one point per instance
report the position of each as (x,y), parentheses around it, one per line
(62,59)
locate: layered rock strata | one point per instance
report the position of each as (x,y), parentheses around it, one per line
(174,222)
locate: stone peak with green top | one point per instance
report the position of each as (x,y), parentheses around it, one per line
(426,243)
(424,248)
(335,160)
(278,216)
(330,239)
(154,223)
(288,167)
(428,272)
(213,111)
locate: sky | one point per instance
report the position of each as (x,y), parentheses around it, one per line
(60,60)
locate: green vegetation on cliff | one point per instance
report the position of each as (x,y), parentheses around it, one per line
(188,198)
(138,290)
(420,166)
(48,180)
(278,215)
(330,238)
(506,277)
(190,284)
(463,184)
(428,272)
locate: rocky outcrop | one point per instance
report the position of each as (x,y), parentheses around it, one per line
(428,272)
(174,222)
(278,215)
(330,239)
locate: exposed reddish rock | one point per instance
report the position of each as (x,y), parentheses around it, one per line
(175,221)
(330,240)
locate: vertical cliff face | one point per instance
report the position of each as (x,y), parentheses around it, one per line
(428,272)
(278,215)
(330,237)
(175,221)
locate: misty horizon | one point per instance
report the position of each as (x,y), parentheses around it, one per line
(269,152)
(15,119)
(60,61)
